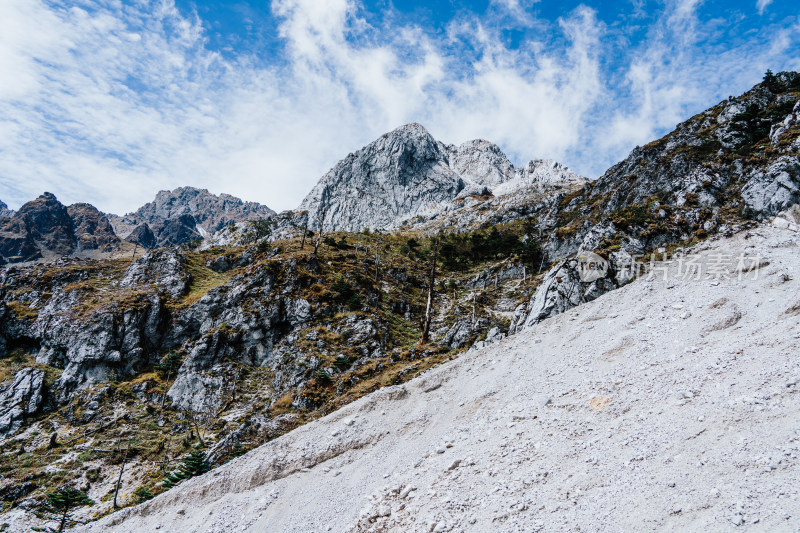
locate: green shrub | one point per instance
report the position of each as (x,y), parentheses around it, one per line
(192,465)
(141,495)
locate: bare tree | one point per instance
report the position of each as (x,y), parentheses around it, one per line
(429,308)
(321,222)
(305,231)
(119,478)
(194,418)
(473,310)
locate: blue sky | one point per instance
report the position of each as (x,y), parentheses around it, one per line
(108,101)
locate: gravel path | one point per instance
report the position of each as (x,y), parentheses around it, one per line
(665,405)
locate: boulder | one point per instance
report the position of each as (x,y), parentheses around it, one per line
(19,399)
(774,188)
(562,289)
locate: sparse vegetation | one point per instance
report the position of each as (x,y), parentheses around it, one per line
(194,464)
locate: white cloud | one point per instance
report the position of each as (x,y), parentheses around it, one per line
(107,102)
(761,5)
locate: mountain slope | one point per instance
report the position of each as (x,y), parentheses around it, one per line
(670,404)
(273,334)
(719,170)
(185,214)
(739,159)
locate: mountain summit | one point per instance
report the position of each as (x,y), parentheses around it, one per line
(407,173)
(185,214)
(402,174)
(44,228)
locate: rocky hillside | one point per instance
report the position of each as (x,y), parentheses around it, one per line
(134,363)
(45,229)
(406,176)
(183,215)
(671,404)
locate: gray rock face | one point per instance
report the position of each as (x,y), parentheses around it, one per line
(540,173)
(113,343)
(143,236)
(187,214)
(401,175)
(92,229)
(406,176)
(778,129)
(237,322)
(481,162)
(164,268)
(563,288)
(40,227)
(458,335)
(20,398)
(770,190)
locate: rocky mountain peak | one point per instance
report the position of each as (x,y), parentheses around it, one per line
(44,228)
(92,229)
(481,162)
(5,212)
(41,225)
(184,214)
(401,174)
(406,176)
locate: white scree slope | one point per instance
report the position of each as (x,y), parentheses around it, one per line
(664,405)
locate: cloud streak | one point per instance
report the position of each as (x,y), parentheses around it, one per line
(108,101)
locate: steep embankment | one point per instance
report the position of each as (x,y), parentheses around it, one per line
(669,404)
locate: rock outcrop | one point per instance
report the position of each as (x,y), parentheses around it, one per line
(20,398)
(110,343)
(163,268)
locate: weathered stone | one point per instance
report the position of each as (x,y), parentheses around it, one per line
(774,188)
(19,399)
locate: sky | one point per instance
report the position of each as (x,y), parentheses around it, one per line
(109,101)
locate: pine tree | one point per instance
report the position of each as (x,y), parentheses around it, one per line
(192,465)
(169,364)
(237,450)
(61,503)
